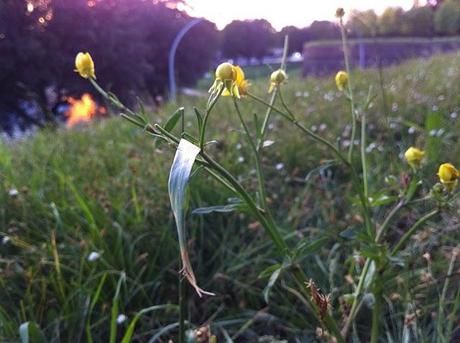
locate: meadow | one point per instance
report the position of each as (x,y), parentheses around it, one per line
(88,248)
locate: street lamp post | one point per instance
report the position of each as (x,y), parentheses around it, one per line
(172,54)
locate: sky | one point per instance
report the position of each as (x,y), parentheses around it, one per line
(281,13)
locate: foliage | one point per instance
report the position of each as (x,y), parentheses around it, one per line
(249,38)
(447,18)
(129,40)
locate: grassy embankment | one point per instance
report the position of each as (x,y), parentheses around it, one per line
(102,189)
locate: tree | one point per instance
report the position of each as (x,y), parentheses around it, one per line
(129,41)
(391,20)
(297,38)
(418,21)
(363,24)
(323,29)
(249,38)
(447,18)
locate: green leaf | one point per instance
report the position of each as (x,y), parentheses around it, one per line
(273,278)
(219,209)
(127,338)
(307,248)
(114,311)
(174,119)
(177,185)
(269,271)
(199,118)
(383,199)
(413,186)
(29,332)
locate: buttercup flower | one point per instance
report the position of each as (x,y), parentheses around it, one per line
(414,156)
(84,65)
(240,85)
(341,80)
(225,71)
(232,78)
(340,12)
(448,175)
(277,78)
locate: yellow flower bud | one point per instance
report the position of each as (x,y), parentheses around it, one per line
(84,65)
(448,175)
(341,80)
(414,156)
(225,71)
(277,78)
(240,85)
(340,12)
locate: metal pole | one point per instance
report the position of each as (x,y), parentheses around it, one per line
(172,54)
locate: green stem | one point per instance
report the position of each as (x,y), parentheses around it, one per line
(260,175)
(181,309)
(354,306)
(452,316)
(440,314)
(388,219)
(363,156)
(206,116)
(350,89)
(376,314)
(412,230)
(268,113)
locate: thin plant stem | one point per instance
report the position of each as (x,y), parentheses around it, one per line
(260,175)
(350,89)
(181,309)
(268,113)
(440,314)
(363,157)
(376,314)
(206,116)
(354,306)
(412,230)
(452,316)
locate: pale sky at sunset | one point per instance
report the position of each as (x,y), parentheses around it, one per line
(284,12)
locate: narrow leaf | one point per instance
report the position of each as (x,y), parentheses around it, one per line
(178,179)
(174,119)
(199,118)
(30,333)
(219,209)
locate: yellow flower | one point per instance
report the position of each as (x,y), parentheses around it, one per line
(448,175)
(240,85)
(276,78)
(340,12)
(84,65)
(414,156)
(225,71)
(341,80)
(232,78)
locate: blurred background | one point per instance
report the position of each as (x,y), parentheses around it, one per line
(131,41)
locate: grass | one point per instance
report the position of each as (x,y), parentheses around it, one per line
(102,189)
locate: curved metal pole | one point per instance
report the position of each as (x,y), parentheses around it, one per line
(172,55)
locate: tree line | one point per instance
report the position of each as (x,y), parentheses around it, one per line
(130,40)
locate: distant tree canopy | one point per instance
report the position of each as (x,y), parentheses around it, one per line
(129,41)
(447,17)
(249,38)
